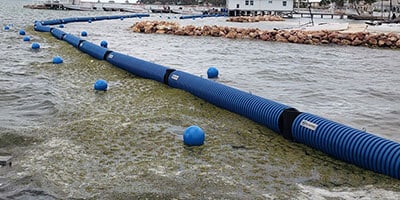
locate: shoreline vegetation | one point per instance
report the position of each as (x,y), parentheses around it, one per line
(354,35)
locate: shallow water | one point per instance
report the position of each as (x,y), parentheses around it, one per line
(68,141)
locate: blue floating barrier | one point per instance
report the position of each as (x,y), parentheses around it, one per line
(100,85)
(194,16)
(26,38)
(348,144)
(139,15)
(93,50)
(57,33)
(258,109)
(137,66)
(61,26)
(35,45)
(354,146)
(193,136)
(21,32)
(73,40)
(57,60)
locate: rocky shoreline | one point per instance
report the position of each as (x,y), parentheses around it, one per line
(367,39)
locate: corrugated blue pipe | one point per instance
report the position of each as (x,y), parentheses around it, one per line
(72,40)
(98,18)
(83,19)
(39,27)
(348,144)
(258,109)
(68,20)
(94,50)
(51,22)
(57,33)
(138,67)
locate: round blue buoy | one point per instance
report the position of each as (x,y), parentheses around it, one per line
(22,32)
(26,38)
(100,85)
(35,45)
(212,72)
(57,60)
(89,21)
(193,136)
(104,44)
(122,18)
(6,28)
(61,26)
(84,33)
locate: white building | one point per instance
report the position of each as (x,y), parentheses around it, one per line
(259,7)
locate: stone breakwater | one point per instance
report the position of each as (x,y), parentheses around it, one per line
(381,40)
(255,19)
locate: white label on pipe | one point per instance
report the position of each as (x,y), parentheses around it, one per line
(175,77)
(308,124)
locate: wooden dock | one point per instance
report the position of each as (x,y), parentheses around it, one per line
(322,14)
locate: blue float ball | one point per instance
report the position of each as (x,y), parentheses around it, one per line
(26,38)
(193,136)
(122,18)
(57,60)
(6,28)
(89,21)
(100,85)
(104,44)
(84,33)
(61,26)
(35,45)
(212,72)
(22,32)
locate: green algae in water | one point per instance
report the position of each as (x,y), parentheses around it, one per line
(126,143)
